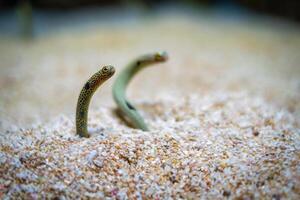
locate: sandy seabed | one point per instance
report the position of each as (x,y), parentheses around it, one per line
(223,112)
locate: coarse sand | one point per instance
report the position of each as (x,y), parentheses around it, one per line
(224,112)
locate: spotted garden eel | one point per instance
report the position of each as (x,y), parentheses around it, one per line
(128,111)
(85,97)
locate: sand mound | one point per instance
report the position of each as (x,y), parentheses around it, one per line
(212,146)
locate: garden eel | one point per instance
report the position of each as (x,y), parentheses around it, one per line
(85,97)
(121,82)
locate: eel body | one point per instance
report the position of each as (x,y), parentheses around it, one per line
(85,97)
(119,94)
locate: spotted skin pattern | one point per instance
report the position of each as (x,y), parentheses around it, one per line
(85,97)
(128,111)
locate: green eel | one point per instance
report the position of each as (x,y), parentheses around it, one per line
(123,79)
(85,97)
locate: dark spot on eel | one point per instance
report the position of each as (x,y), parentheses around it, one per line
(81,113)
(87,86)
(130,106)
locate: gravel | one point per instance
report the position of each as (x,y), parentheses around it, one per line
(214,146)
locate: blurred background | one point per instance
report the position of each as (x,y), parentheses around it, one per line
(30,16)
(49,48)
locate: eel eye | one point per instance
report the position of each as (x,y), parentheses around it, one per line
(105,69)
(157,56)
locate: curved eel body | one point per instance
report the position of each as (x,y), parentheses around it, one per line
(120,85)
(85,97)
